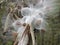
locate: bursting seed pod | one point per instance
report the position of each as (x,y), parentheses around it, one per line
(34,16)
(20,28)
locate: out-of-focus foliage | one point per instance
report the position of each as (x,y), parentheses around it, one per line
(3,12)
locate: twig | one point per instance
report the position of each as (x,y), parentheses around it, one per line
(16,16)
(32,35)
(6,23)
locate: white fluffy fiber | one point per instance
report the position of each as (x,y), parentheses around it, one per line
(31,15)
(20,30)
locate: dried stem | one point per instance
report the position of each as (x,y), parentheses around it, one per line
(32,35)
(6,23)
(16,16)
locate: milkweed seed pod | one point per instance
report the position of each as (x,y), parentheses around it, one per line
(22,40)
(35,15)
(20,28)
(36,18)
